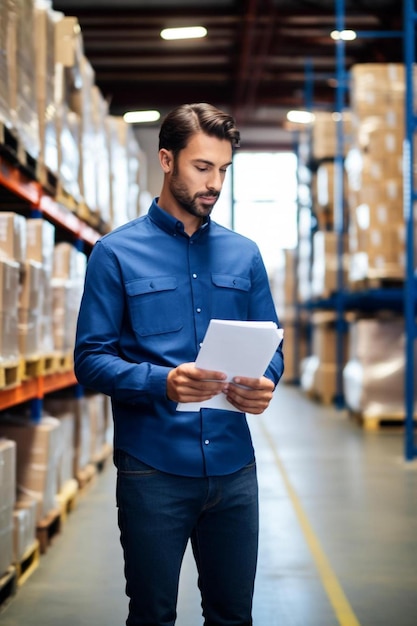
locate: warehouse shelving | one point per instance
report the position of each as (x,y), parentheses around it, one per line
(401,299)
(33,201)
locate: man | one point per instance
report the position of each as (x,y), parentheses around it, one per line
(151,288)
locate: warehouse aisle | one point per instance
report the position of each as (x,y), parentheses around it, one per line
(338,539)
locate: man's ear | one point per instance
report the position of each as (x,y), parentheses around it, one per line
(166,160)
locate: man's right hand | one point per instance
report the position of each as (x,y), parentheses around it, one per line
(188,383)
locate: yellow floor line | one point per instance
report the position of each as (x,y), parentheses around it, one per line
(337,598)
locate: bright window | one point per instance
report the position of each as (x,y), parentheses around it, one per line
(265,209)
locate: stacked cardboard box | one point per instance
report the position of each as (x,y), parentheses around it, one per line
(320,369)
(5,110)
(87,414)
(81,102)
(325,129)
(44,35)
(67,283)
(41,286)
(30,309)
(21,52)
(326,260)
(295,336)
(126,170)
(24,522)
(9,289)
(40,241)
(373,377)
(12,258)
(100,111)
(374,166)
(97,410)
(7,501)
(38,450)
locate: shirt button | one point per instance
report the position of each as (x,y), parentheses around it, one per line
(194,275)
(198,310)
(207,441)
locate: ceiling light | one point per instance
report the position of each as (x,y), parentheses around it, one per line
(188,32)
(344,35)
(300,117)
(139,117)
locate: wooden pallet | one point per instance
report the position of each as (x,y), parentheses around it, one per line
(27,163)
(28,563)
(388,278)
(10,374)
(67,498)
(64,362)
(372,422)
(66,199)
(43,364)
(48,180)
(49,364)
(326,399)
(100,458)
(8,586)
(86,476)
(9,143)
(48,528)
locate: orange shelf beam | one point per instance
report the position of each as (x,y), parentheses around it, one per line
(64,217)
(15,181)
(54,382)
(35,388)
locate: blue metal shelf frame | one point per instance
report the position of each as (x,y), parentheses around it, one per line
(410,198)
(339,226)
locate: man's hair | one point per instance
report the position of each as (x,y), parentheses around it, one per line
(188,119)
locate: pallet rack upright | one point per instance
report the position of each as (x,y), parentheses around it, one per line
(410,198)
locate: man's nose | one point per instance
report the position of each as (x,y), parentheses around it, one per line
(215,181)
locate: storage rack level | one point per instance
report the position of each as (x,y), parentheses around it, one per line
(32,201)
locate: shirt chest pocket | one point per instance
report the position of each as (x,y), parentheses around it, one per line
(230,296)
(154,305)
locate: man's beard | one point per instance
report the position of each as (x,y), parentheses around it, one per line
(189,203)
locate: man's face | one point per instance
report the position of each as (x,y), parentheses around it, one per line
(199,172)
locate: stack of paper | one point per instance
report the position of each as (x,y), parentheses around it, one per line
(238,349)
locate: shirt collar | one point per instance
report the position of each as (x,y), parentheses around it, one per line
(169,223)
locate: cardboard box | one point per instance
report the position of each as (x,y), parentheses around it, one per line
(29,333)
(7,500)
(40,241)
(9,337)
(6,538)
(9,285)
(69,46)
(31,286)
(7,472)
(24,524)
(12,236)
(78,408)
(39,449)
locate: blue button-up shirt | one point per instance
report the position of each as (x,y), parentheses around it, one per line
(150,292)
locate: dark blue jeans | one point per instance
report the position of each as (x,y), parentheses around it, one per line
(159,513)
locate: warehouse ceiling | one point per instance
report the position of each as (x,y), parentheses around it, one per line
(260,58)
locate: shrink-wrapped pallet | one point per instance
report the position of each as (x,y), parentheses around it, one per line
(7,500)
(373,378)
(38,450)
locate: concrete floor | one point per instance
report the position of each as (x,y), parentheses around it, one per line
(338,541)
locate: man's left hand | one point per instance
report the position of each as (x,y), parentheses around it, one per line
(250,395)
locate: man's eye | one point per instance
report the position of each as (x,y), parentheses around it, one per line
(202,169)
(223,171)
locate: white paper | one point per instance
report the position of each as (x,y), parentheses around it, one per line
(238,349)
